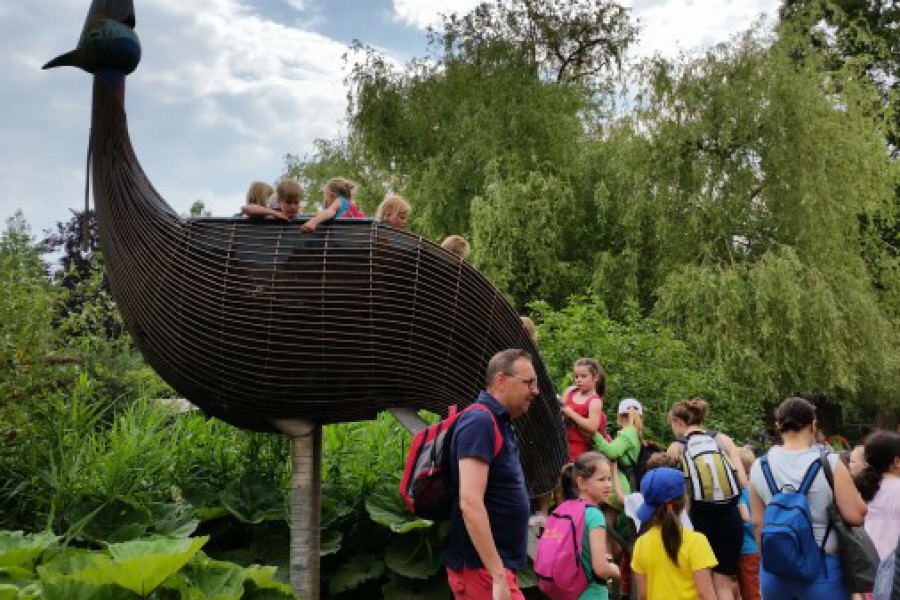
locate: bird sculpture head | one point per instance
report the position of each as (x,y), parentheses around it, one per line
(107,42)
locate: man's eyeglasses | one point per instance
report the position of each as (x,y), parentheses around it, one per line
(529,381)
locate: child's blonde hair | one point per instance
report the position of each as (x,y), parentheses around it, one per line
(583,468)
(458,245)
(391,206)
(636,420)
(528,324)
(747,457)
(259,193)
(339,186)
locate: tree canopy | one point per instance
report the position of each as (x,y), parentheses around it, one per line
(742,195)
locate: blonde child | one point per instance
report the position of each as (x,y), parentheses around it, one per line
(669,561)
(583,406)
(590,479)
(259,193)
(530,328)
(748,561)
(338,204)
(394,210)
(289,194)
(458,245)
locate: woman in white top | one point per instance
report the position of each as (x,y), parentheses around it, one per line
(879,484)
(795,419)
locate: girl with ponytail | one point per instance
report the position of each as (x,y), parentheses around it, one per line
(589,479)
(670,562)
(714,504)
(583,406)
(879,485)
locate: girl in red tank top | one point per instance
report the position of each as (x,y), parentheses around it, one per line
(583,406)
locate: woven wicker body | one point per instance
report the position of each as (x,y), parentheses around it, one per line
(254,321)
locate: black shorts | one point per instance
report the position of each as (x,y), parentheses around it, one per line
(724,528)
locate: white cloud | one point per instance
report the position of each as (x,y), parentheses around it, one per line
(221,95)
(427,14)
(667,25)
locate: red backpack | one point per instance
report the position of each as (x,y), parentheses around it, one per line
(426,487)
(557,561)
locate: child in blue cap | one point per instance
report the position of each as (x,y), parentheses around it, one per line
(670,562)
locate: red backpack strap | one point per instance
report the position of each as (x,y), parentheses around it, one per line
(498,436)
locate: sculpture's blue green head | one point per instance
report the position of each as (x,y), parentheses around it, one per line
(107,42)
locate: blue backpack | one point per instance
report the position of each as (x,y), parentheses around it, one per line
(789,548)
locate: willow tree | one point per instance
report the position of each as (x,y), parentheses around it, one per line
(508,86)
(860,34)
(744,222)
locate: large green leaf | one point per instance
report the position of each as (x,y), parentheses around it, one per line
(252,500)
(261,585)
(334,507)
(18,549)
(399,588)
(142,566)
(117,520)
(80,573)
(216,579)
(62,587)
(8,592)
(385,507)
(31,592)
(331,542)
(16,576)
(358,569)
(412,556)
(174,520)
(72,561)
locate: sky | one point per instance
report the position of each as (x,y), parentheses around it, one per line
(226,88)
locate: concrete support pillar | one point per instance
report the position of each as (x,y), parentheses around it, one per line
(306,506)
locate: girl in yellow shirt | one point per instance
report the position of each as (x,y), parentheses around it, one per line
(669,562)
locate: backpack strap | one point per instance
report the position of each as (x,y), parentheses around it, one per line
(767,473)
(810,476)
(829,477)
(498,435)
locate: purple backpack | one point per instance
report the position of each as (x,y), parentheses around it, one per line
(557,562)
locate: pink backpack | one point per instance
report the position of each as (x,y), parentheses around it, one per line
(557,562)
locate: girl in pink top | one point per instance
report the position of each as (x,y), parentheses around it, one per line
(583,407)
(879,485)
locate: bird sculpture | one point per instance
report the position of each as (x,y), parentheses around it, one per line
(257,323)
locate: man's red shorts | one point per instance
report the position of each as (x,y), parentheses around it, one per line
(476,584)
(748,576)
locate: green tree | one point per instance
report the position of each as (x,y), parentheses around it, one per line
(198,209)
(860,34)
(645,360)
(565,41)
(28,303)
(744,229)
(485,99)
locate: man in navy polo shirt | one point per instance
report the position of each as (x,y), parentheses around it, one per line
(489,523)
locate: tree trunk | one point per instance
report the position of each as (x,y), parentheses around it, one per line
(306,506)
